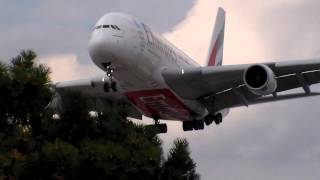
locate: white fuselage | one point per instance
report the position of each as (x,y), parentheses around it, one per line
(139,57)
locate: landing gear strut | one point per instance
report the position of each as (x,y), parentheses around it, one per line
(112,83)
(157,127)
(156,120)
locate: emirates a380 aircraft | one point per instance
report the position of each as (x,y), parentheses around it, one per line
(161,82)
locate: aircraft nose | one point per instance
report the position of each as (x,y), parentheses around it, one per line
(100,44)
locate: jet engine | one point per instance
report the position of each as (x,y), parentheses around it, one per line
(260,79)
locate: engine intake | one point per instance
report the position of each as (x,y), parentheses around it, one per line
(260,79)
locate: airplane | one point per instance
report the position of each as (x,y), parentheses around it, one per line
(160,81)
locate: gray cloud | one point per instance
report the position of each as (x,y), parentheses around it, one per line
(292,30)
(55,27)
(270,141)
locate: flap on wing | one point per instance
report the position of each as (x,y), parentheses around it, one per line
(241,96)
(95,88)
(291,67)
(292,81)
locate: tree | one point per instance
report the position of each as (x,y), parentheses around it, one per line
(4,96)
(179,164)
(34,145)
(24,91)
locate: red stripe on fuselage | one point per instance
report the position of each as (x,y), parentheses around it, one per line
(160,103)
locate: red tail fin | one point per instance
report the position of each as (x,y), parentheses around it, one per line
(215,55)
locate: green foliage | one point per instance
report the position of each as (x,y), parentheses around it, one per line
(24,92)
(179,165)
(34,145)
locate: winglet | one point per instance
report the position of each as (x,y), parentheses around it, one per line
(215,54)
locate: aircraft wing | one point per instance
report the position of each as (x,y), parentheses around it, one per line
(94,88)
(224,85)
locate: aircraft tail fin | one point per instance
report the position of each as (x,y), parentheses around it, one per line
(215,54)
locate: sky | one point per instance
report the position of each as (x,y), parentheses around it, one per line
(268,141)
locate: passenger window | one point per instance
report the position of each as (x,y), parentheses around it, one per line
(117,27)
(98,27)
(113,27)
(105,26)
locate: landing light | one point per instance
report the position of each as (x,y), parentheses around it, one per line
(93,114)
(55,117)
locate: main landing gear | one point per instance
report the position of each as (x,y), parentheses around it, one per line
(199,124)
(217,119)
(190,125)
(158,127)
(112,84)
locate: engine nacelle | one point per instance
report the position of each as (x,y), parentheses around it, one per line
(260,79)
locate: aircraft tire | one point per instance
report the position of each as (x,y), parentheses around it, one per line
(162,128)
(218,119)
(198,125)
(157,128)
(209,119)
(187,125)
(106,87)
(201,124)
(114,86)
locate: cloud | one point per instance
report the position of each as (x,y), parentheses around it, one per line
(62,27)
(193,35)
(66,67)
(269,141)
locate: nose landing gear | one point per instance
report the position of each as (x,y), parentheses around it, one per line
(109,72)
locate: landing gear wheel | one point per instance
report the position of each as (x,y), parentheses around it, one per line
(198,125)
(157,128)
(114,86)
(209,119)
(162,128)
(201,125)
(218,119)
(106,87)
(187,126)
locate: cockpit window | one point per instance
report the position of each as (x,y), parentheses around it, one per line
(115,27)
